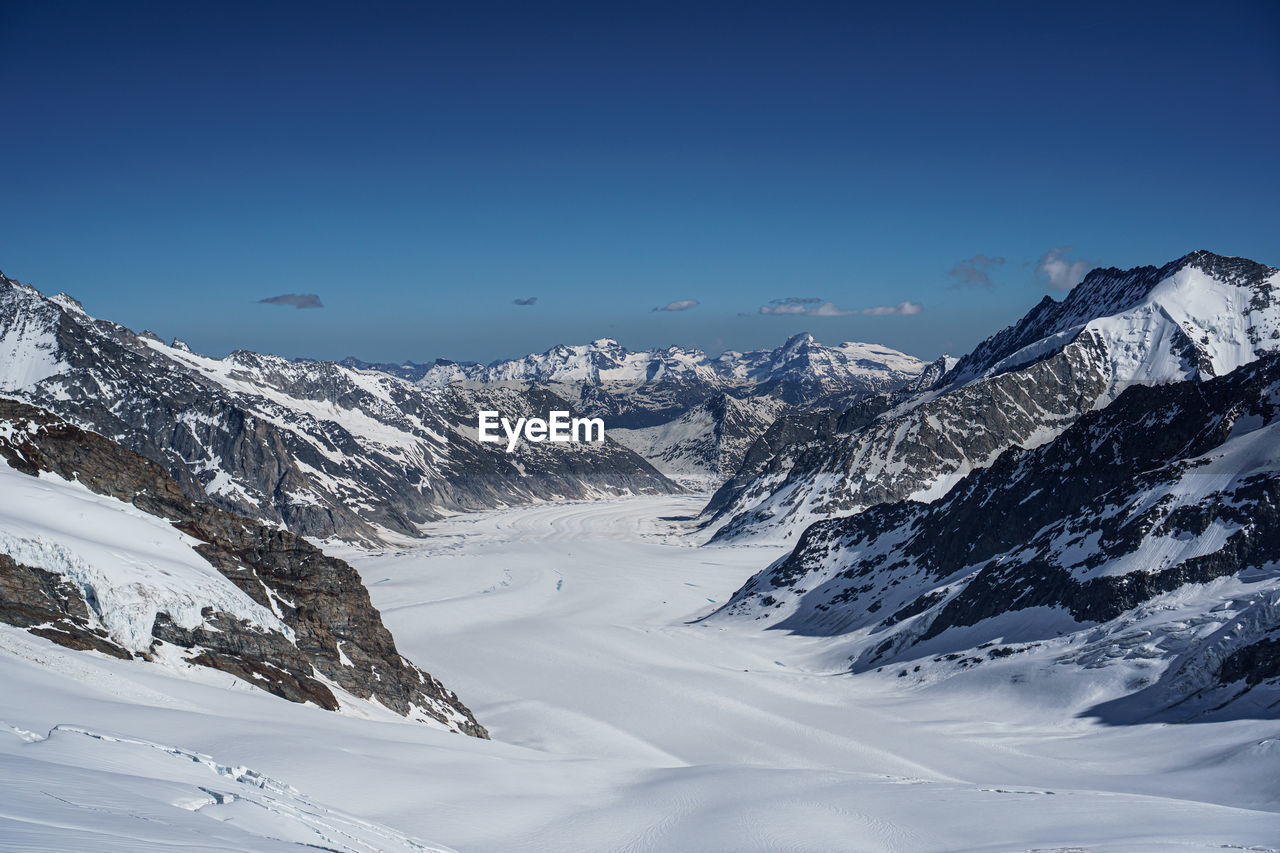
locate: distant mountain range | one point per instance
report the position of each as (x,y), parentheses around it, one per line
(651,387)
(691,415)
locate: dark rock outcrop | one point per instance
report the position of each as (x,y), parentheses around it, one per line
(1169,488)
(338,636)
(1200,316)
(48,606)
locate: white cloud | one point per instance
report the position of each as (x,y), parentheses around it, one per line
(678,305)
(905,309)
(1059,271)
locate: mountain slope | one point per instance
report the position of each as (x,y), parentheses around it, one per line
(1147,535)
(100,550)
(799,439)
(706,444)
(1202,312)
(322,449)
(1200,316)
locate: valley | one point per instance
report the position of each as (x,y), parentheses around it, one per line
(640,428)
(618,723)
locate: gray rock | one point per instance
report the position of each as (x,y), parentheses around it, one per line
(327,451)
(1187,473)
(339,636)
(1020,388)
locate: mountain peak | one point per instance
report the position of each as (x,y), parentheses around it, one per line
(13,282)
(1179,286)
(798,341)
(1117,289)
(68,301)
(1241,271)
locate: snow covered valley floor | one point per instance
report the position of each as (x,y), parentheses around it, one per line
(617,724)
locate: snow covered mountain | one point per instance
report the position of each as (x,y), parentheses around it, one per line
(1145,537)
(325,450)
(1200,316)
(100,550)
(651,387)
(690,415)
(706,444)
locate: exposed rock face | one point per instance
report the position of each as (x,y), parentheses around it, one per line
(932,374)
(1198,317)
(798,441)
(48,606)
(707,444)
(326,450)
(924,447)
(793,441)
(335,637)
(1158,516)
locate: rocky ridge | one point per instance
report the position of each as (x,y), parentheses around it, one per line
(323,450)
(1200,316)
(319,638)
(1146,535)
(706,444)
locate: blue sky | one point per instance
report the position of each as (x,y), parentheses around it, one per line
(419,167)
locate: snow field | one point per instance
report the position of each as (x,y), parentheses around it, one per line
(617,724)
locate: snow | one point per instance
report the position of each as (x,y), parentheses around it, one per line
(28,344)
(113,792)
(240,379)
(605,361)
(1142,340)
(1188,325)
(223,484)
(129,565)
(673,448)
(618,725)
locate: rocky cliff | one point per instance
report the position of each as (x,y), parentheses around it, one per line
(1147,533)
(272,609)
(327,451)
(1200,316)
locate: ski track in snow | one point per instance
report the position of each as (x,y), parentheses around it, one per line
(618,724)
